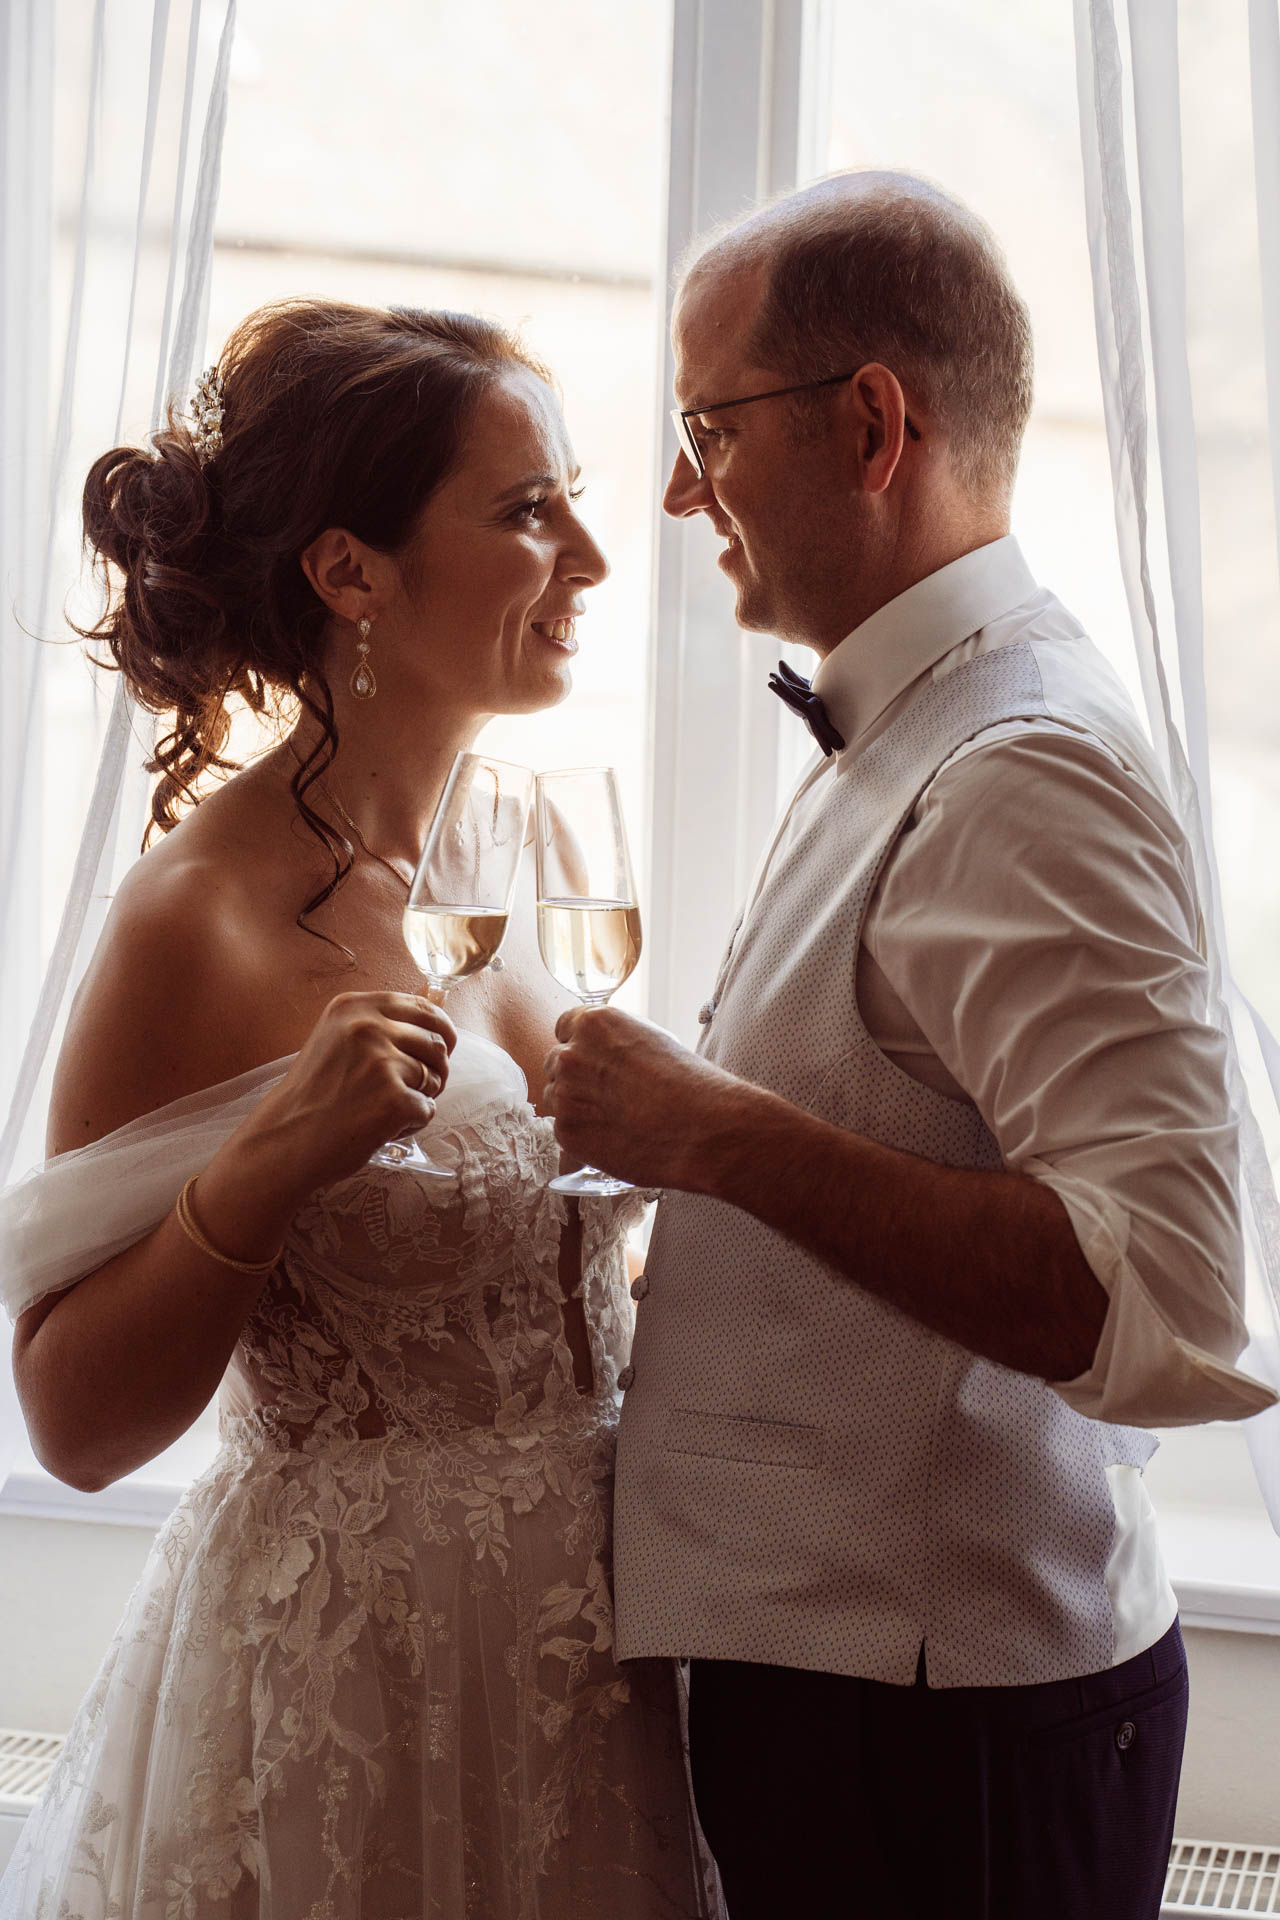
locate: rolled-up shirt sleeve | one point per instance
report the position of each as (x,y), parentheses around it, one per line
(1038,922)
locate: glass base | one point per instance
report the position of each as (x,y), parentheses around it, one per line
(589,1180)
(406,1156)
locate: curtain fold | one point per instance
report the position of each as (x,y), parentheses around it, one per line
(1187,312)
(112,116)
(26,246)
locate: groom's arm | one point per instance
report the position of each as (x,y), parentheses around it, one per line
(1055,976)
(989,1259)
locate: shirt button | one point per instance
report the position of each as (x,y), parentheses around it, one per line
(705,1012)
(1126,1734)
(626,1378)
(639,1287)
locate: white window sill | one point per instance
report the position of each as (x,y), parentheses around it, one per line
(36,1495)
(1224,1563)
(142,1499)
(1220,1549)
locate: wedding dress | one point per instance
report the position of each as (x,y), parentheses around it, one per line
(367,1673)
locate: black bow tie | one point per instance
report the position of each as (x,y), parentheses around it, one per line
(795,692)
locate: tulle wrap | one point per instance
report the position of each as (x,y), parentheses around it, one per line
(80,1209)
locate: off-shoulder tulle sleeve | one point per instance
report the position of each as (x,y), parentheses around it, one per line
(80,1209)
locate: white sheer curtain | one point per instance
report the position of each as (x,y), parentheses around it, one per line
(1180,125)
(111,124)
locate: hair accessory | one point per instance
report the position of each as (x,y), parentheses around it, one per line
(187,1221)
(206,415)
(363,684)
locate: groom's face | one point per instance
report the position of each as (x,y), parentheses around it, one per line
(770,490)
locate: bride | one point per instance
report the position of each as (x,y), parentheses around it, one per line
(368,1669)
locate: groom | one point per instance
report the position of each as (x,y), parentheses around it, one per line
(950,1211)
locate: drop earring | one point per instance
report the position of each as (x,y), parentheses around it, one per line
(363,685)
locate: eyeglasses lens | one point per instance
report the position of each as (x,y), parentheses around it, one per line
(688,445)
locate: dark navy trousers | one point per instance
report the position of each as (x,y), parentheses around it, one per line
(824,1795)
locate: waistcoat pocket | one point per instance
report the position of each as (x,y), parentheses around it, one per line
(723,1436)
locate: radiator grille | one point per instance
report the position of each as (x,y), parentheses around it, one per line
(1213,1876)
(26,1760)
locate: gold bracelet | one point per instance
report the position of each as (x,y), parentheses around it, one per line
(187,1221)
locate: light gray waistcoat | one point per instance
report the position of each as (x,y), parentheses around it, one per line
(807,1476)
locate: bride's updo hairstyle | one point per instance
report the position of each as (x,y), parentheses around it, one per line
(333,416)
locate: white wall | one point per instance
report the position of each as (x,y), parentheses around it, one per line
(63,1587)
(1231,1774)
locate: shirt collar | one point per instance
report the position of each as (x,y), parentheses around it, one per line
(903,639)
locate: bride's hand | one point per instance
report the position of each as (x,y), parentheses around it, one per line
(368,1073)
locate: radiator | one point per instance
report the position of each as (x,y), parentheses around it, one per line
(1219,1876)
(26,1760)
(25,1763)
(1205,1876)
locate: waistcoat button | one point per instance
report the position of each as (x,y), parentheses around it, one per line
(1126,1734)
(639,1287)
(626,1378)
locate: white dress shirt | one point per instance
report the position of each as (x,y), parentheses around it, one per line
(1082,1038)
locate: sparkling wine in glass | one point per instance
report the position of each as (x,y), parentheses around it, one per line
(460,900)
(588,918)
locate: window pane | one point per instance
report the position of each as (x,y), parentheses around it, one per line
(1238,502)
(953,93)
(965,90)
(507,162)
(982,99)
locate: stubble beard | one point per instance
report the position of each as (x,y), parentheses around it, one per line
(781,600)
(760,593)
(752,610)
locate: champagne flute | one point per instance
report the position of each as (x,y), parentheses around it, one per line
(460,900)
(588,918)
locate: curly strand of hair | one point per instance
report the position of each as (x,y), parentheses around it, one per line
(306,774)
(193,747)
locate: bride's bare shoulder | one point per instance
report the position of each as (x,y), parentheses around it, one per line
(181,992)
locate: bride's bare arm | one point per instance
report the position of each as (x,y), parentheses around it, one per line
(114,1369)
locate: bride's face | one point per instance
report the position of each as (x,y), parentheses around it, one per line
(493,577)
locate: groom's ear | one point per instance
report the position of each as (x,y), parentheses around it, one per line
(873,420)
(344,573)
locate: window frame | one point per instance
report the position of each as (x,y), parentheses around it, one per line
(747,124)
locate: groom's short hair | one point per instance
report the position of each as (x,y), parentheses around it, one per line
(882,266)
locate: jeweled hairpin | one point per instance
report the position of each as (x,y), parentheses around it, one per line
(206,415)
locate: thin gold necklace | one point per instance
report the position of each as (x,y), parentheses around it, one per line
(496,965)
(334,801)
(382,861)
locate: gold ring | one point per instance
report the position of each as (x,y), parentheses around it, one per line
(426,1075)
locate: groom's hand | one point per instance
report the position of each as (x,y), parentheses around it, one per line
(631,1100)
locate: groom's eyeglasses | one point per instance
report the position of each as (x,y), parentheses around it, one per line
(681,418)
